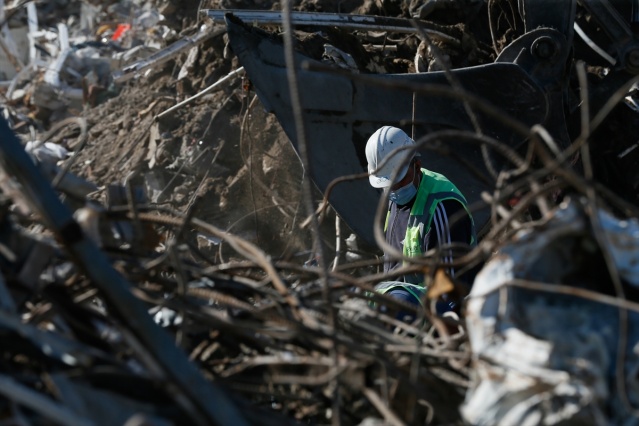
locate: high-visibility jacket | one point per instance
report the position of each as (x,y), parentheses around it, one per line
(433,189)
(417,291)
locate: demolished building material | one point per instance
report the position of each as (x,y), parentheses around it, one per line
(166,54)
(152,345)
(213,86)
(553,339)
(180,252)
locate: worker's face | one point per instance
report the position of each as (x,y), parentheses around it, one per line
(409,177)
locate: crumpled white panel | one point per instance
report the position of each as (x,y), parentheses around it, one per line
(546,357)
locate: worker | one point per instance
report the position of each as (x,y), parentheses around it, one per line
(421,205)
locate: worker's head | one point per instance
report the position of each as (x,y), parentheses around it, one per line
(385,158)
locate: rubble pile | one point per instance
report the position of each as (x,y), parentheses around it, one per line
(158,265)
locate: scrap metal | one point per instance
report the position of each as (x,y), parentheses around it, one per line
(110,313)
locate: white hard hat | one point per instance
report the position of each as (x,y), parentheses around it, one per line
(383,142)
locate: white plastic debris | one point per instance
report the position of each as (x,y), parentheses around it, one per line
(544,327)
(32,22)
(165,317)
(48,151)
(189,63)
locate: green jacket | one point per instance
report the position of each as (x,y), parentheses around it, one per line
(415,290)
(433,189)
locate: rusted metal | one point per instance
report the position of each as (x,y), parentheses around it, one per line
(341,20)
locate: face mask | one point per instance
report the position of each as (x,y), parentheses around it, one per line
(404,194)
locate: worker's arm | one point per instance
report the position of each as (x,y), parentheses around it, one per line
(444,232)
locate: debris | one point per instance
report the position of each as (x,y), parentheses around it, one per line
(158,265)
(545,330)
(339,58)
(205,33)
(215,85)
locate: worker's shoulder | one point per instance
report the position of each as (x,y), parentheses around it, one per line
(434,175)
(440,178)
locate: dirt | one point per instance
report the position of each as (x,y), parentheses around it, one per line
(222,144)
(221,155)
